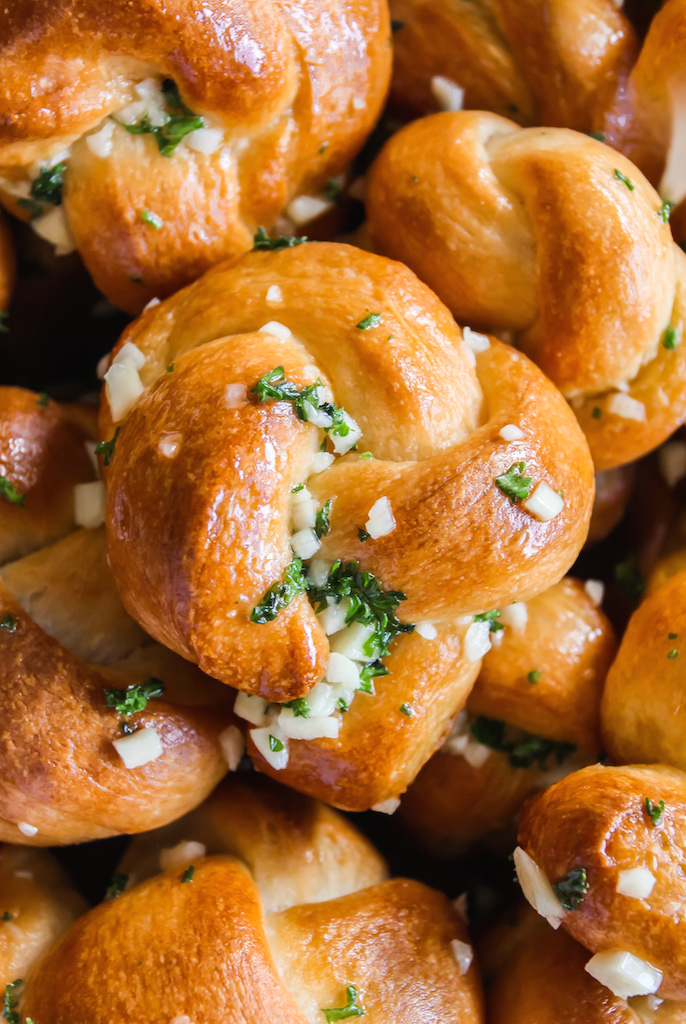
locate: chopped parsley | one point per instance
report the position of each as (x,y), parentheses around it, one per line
(534,675)
(351,1009)
(10,1003)
(322,522)
(148,217)
(275,386)
(180,121)
(170,368)
(106,448)
(673,654)
(672,636)
(362,534)
(275,745)
(299,707)
(598,136)
(655,811)
(670,339)
(7,916)
(369,604)
(522,753)
(342,706)
(4,317)
(665,211)
(280,594)
(397,25)
(135,279)
(491,618)
(128,702)
(370,320)
(624,180)
(365,455)
(43,400)
(46,188)
(629,579)
(117,885)
(369,672)
(333,189)
(323,148)
(597,412)
(513,483)
(187,876)
(407,710)
(9,491)
(9,623)
(298,487)
(261,240)
(571,889)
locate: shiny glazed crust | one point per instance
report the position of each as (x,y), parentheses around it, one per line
(552,62)
(533,232)
(296,87)
(66,639)
(269,958)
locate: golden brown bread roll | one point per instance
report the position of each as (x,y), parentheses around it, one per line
(611,842)
(544,980)
(553,62)
(37,905)
(543,682)
(206,491)
(554,237)
(67,647)
(283,94)
(646,119)
(284,914)
(643,717)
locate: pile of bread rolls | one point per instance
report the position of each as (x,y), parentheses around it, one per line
(354,482)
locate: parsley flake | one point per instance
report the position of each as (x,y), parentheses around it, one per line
(180,121)
(655,811)
(368,604)
(322,522)
(187,876)
(117,885)
(155,221)
(135,698)
(369,672)
(170,368)
(670,338)
(10,1002)
(665,211)
(397,25)
(490,618)
(106,448)
(9,623)
(7,916)
(624,180)
(370,320)
(333,189)
(534,675)
(43,400)
(261,240)
(351,1009)
(4,317)
(299,707)
(673,654)
(275,745)
(596,412)
(280,594)
(672,636)
(407,710)
(298,487)
(571,889)
(362,534)
(522,753)
(9,491)
(598,136)
(513,483)
(629,579)
(46,188)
